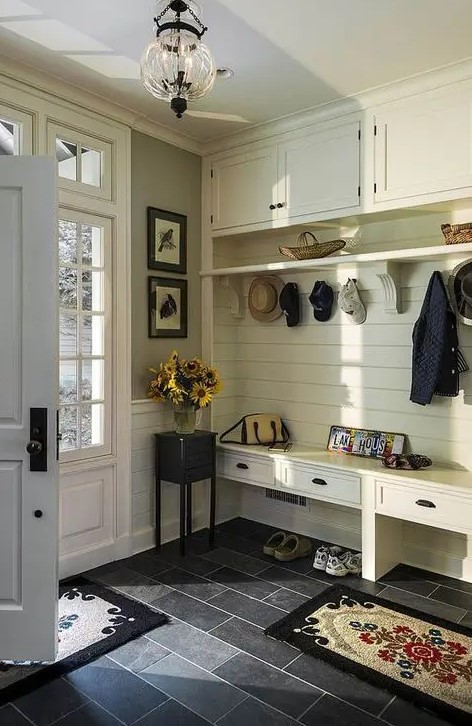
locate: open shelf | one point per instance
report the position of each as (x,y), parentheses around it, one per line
(416,254)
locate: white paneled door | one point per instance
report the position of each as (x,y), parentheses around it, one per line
(28,405)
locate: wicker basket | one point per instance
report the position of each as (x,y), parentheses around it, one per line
(307,250)
(457,233)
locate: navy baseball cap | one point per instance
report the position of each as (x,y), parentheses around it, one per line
(322,298)
(289,301)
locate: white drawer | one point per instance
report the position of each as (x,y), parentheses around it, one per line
(246,468)
(320,483)
(416,504)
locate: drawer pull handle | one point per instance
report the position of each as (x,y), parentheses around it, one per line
(320,482)
(242,466)
(426,503)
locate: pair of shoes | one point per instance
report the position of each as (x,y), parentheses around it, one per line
(337,562)
(287,547)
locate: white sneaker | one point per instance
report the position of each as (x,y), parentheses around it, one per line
(323,554)
(348,563)
(350,302)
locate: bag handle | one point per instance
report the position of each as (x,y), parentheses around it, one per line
(225,433)
(274,433)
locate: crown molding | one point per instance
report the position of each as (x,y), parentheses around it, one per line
(360,102)
(39,83)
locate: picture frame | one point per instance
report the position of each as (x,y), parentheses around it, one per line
(365,442)
(167,241)
(167,307)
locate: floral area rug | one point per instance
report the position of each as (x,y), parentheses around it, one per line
(423,659)
(93,620)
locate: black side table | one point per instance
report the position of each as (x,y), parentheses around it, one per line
(184,459)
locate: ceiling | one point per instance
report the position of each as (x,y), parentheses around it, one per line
(287,55)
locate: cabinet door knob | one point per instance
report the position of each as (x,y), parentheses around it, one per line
(272,207)
(38,513)
(279,205)
(426,503)
(320,482)
(242,466)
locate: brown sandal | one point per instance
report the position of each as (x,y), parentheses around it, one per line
(276,540)
(293,548)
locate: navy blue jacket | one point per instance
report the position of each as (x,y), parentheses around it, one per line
(437,360)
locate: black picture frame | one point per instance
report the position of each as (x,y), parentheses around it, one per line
(167,307)
(167,241)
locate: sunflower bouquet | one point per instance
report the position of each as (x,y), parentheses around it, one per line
(185,383)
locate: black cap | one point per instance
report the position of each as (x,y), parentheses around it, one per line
(322,298)
(289,301)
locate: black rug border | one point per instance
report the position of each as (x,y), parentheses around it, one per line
(282,629)
(140,611)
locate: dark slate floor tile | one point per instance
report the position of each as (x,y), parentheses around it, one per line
(467,620)
(139,654)
(134,585)
(252,640)
(438,579)
(233,542)
(200,648)
(194,687)
(274,687)
(97,572)
(293,581)
(190,584)
(403,713)
(286,600)
(255,611)
(195,612)
(331,711)
(189,562)
(9,716)
(241,527)
(354,581)
(304,565)
(423,604)
(89,715)
(120,692)
(172,713)
(221,556)
(401,578)
(254,713)
(338,683)
(453,597)
(50,702)
(145,564)
(244,583)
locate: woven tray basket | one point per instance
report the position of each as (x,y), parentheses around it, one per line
(311,249)
(457,233)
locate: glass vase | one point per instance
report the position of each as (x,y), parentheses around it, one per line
(185,419)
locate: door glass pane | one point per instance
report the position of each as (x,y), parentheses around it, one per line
(68,427)
(91,167)
(67,288)
(92,335)
(68,382)
(92,424)
(92,284)
(68,335)
(92,245)
(66,154)
(92,380)
(68,242)
(9,138)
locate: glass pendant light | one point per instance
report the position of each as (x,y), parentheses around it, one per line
(177,66)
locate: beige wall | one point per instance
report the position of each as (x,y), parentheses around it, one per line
(166,177)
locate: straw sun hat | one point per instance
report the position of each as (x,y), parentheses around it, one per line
(263,298)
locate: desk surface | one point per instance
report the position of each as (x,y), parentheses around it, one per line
(444,474)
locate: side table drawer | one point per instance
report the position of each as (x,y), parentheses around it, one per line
(241,467)
(416,504)
(320,483)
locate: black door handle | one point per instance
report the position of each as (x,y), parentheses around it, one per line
(426,503)
(279,205)
(320,482)
(242,466)
(37,447)
(272,207)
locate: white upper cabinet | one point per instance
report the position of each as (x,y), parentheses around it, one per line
(244,188)
(320,172)
(423,147)
(316,172)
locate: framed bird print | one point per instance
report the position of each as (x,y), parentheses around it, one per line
(167,241)
(167,307)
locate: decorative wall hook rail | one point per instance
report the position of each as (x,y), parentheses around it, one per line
(389,277)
